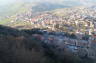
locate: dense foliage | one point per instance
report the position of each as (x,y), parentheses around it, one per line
(19,46)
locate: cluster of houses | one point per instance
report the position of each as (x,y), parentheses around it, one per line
(81,24)
(61,41)
(78,20)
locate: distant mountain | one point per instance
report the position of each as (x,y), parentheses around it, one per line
(47,7)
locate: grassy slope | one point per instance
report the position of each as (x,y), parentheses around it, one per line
(12,11)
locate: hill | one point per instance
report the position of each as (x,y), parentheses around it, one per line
(25,48)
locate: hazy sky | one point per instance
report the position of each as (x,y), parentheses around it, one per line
(84,2)
(4,2)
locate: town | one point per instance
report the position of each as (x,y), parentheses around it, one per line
(74,30)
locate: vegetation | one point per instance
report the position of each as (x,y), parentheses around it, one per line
(18,46)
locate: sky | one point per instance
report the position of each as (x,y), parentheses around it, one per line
(83,2)
(4,2)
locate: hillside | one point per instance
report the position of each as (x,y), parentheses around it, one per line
(72,21)
(19,8)
(10,12)
(27,47)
